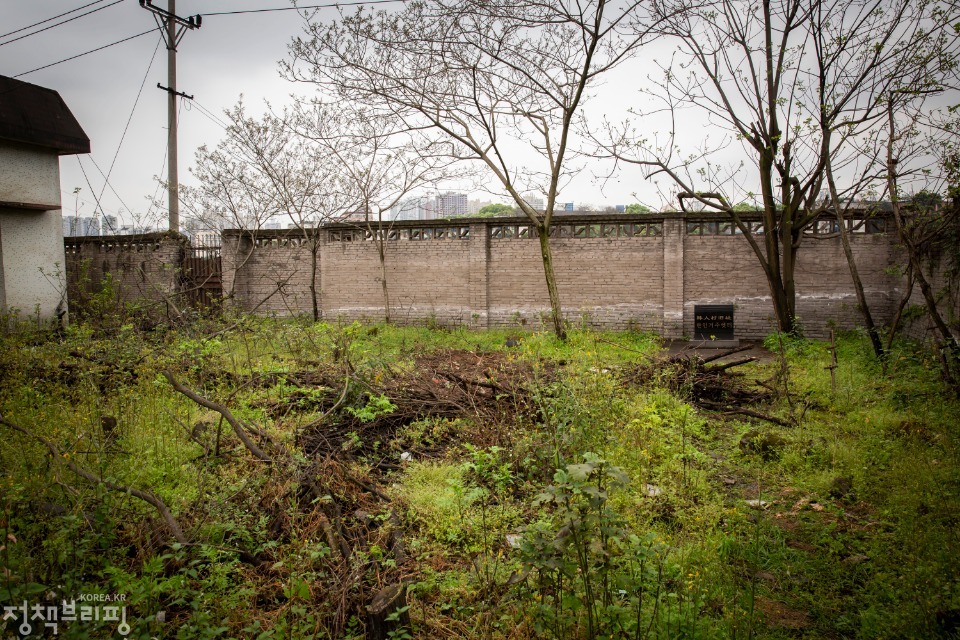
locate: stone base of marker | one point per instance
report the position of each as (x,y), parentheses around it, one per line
(715,344)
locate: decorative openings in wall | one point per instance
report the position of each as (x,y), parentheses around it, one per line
(720,228)
(597,230)
(279,243)
(820,227)
(829,226)
(110,245)
(408,233)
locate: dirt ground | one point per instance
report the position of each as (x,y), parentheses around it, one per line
(756,350)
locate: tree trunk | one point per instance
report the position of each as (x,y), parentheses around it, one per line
(788,281)
(314,249)
(783,303)
(878,349)
(543,233)
(895,325)
(382,254)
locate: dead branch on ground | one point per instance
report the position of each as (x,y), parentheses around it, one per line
(146,496)
(239,427)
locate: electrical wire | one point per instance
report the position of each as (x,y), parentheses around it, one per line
(114,191)
(37,24)
(130,117)
(210,115)
(79,55)
(90,186)
(33,33)
(156,192)
(314,6)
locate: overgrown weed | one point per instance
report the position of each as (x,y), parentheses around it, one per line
(671,528)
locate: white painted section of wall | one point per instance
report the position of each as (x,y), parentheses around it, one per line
(29,174)
(33,269)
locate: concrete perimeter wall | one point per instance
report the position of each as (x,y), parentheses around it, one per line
(617,271)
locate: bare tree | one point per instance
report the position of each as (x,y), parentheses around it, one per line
(290,175)
(863,51)
(794,83)
(230,195)
(379,161)
(503,82)
(908,143)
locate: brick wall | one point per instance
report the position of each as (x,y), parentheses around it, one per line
(271,272)
(608,282)
(143,267)
(427,280)
(616,271)
(946,289)
(724,269)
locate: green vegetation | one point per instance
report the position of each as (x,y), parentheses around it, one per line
(637,208)
(519,486)
(496,209)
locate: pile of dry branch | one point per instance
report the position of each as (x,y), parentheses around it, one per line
(714,387)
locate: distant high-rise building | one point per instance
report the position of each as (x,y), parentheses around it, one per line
(83,226)
(451,204)
(474,206)
(358,215)
(536,201)
(90,226)
(621,208)
(415,208)
(568,206)
(110,225)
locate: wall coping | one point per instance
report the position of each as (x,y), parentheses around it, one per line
(460,221)
(156,236)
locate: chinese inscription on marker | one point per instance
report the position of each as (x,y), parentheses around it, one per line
(713,322)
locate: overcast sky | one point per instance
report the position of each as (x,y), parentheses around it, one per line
(230,55)
(227,57)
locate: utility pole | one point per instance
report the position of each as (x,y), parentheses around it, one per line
(172,27)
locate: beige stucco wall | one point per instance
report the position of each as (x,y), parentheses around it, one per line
(31,249)
(32,267)
(30,175)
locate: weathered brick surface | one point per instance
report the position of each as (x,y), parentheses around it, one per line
(608,282)
(620,281)
(724,269)
(918,324)
(427,280)
(271,274)
(143,267)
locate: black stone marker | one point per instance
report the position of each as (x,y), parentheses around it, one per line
(713,322)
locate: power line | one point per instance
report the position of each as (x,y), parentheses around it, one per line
(156,192)
(173,27)
(210,115)
(33,33)
(114,191)
(37,24)
(90,186)
(130,117)
(79,55)
(314,6)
